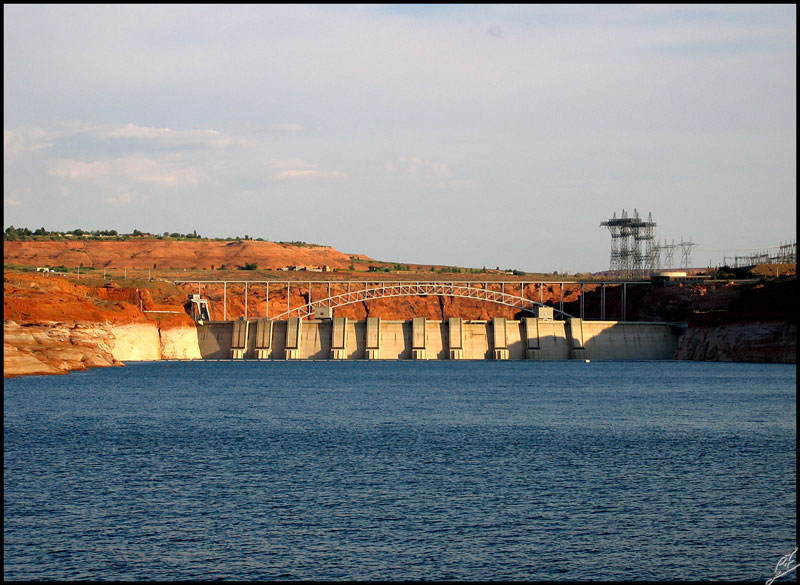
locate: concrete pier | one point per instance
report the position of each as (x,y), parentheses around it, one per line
(533,350)
(427,339)
(239,339)
(575,329)
(373,346)
(293,328)
(456,338)
(339,338)
(500,338)
(263,338)
(418,335)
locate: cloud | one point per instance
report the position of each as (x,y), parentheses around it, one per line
(163,172)
(73,169)
(19,142)
(128,137)
(303,173)
(120,200)
(113,158)
(208,138)
(300,169)
(134,131)
(130,170)
(418,166)
(284,128)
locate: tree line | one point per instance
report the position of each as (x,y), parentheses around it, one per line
(22,233)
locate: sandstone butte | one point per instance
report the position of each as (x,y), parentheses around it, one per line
(56,324)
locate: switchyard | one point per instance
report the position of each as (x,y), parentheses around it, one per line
(783,254)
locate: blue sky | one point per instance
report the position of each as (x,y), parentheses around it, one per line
(471,135)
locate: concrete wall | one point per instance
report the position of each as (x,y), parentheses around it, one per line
(215,339)
(612,340)
(430,339)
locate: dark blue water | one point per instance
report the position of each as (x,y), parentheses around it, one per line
(401,470)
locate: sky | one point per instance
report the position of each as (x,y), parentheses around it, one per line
(466,135)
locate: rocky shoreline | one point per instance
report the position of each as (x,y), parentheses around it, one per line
(762,342)
(57,348)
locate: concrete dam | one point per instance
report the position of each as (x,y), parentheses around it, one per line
(426,339)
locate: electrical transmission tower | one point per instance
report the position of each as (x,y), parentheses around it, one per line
(633,250)
(787,254)
(669,254)
(686,253)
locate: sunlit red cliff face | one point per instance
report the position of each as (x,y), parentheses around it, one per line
(52,325)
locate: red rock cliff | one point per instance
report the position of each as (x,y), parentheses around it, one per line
(52,325)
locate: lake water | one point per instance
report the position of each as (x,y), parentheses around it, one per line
(401,470)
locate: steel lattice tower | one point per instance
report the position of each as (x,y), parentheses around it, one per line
(633,250)
(686,253)
(669,253)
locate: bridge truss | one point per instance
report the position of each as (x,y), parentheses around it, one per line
(384,290)
(338,293)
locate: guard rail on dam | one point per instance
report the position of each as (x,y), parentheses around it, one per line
(425,339)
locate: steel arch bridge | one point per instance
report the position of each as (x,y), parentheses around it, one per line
(385,290)
(320,293)
(493,291)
